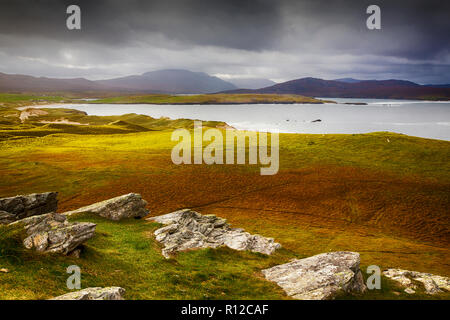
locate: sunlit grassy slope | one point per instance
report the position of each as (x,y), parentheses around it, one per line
(384,195)
(45,121)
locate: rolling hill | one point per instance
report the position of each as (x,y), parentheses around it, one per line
(381,89)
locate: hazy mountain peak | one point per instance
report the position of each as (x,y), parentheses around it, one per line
(171,81)
(348,80)
(382,89)
(251,83)
(173,72)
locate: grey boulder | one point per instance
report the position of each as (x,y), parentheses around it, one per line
(95,293)
(23,206)
(53,233)
(320,277)
(432,283)
(187,229)
(126,206)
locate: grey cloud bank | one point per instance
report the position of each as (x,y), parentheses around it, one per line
(278,40)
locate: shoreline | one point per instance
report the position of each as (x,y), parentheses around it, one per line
(211,103)
(166,104)
(229,126)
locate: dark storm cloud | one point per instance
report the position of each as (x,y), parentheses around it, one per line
(263,38)
(416,29)
(236,24)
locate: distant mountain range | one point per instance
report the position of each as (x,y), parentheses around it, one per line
(22,83)
(175,81)
(161,81)
(352,88)
(170,81)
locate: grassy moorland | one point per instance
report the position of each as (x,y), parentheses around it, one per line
(211,99)
(384,195)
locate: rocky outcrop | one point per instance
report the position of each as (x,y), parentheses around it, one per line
(432,283)
(320,277)
(53,233)
(23,206)
(97,293)
(187,229)
(6,217)
(126,206)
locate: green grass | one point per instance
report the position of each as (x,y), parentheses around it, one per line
(379,150)
(17,98)
(125,254)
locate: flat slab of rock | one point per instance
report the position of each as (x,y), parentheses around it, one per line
(96,293)
(187,229)
(23,206)
(52,232)
(319,277)
(126,206)
(432,283)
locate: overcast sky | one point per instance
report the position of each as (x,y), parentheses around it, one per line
(278,40)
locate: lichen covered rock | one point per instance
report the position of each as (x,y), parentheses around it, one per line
(319,277)
(187,229)
(96,293)
(126,206)
(23,206)
(53,233)
(432,283)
